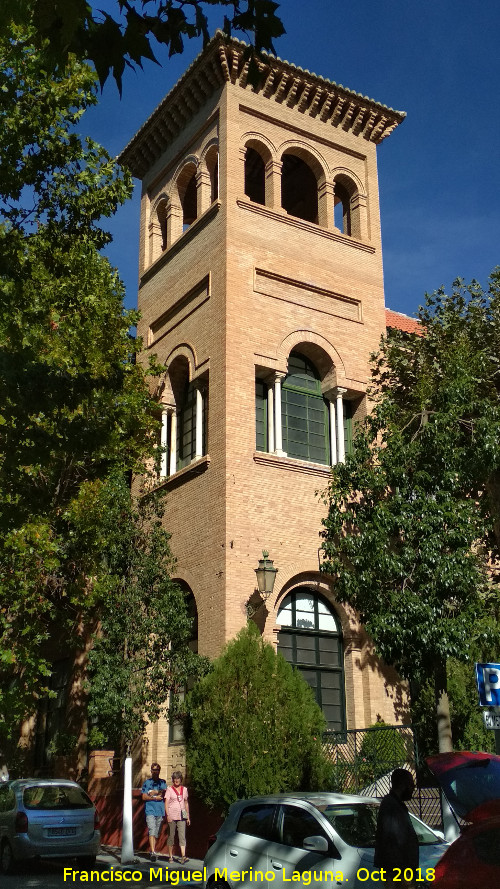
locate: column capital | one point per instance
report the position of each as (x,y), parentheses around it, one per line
(339,392)
(278,375)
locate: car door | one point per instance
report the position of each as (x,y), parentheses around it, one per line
(287,857)
(246,846)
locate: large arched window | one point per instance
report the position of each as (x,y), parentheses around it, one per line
(304,415)
(310,638)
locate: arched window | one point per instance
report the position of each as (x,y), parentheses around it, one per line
(299,189)
(342,209)
(304,412)
(255,176)
(212,162)
(310,638)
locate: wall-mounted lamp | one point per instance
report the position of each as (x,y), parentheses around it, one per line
(266,575)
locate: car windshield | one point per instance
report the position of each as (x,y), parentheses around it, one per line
(470,784)
(55,796)
(356,824)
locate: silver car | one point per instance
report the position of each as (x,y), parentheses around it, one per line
(50,817)
(307,838)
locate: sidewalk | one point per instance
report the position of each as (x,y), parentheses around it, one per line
(109,856)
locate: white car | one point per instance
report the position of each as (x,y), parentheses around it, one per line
(46,818)
(307,838)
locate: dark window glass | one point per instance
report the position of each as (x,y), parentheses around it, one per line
(304,412)
(260,416)
(55,796)
(257,821)
(299,824)
(186,428)
(7,799)
(311,640)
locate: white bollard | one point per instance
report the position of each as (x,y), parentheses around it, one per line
(127,834)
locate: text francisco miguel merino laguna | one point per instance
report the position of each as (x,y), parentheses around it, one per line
(176,877)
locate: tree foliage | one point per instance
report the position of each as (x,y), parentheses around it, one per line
(140,658)
(411,533)
(255,727)
(132,32)
(76,411)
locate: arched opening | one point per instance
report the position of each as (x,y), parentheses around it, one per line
(342,209)
(186,185)
(185,402)
(299,188)
(162,222)
(212,162)
(176,726)
(255,176)
(305,419)
(310,638)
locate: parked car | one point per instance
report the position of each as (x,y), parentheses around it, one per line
(46,818)
(471,784)
(319,837)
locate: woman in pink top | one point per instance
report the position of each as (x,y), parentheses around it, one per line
(177,811)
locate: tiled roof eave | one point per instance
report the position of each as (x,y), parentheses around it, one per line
(222,61)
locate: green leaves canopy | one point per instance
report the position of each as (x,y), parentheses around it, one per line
(131,34)
(411,534)
(75,405)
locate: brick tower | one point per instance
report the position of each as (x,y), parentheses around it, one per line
(261,289)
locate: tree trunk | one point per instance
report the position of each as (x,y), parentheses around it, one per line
(442,708)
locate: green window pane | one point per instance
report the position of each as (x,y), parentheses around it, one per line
(260,416)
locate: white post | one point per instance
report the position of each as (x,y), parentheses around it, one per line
(164,442)
(270,419)
(199,424)
(340,426)
(127,834)
(333,434)
(173,442)
(277,414)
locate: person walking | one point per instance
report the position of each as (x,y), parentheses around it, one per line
(177,812)
(396,843)
(153,794)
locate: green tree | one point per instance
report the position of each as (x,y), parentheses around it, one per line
(255,727)
(75,405)
(111,41)
(140,658)
(411,533)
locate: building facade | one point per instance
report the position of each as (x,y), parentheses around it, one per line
(261,290)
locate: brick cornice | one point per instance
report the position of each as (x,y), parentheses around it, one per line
(223,62)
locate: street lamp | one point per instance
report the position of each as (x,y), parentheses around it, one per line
(266,575)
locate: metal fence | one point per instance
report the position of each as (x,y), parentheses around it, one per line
(363,760)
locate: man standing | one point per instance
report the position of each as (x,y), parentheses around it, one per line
(396,843)
(153,793)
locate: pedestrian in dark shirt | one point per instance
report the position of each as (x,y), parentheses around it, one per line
(396,843)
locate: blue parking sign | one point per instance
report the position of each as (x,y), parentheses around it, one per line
(488,684)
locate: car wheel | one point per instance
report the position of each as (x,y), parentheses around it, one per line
(7,860)
(212,883)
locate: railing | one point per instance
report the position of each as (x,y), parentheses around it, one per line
(363,760)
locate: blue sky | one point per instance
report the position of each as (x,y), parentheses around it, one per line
(439,172)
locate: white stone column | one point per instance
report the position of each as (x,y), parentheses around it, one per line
(198,452)
(173,443)
(278,377)
(333,433)
(340,425)
(164,443)
(270,419)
